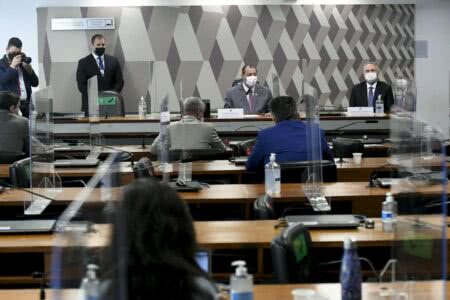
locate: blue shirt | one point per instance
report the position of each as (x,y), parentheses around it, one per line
(288,140)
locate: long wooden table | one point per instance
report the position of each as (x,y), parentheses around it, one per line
(364,200)
(421,290)
(210,235)
(346,171)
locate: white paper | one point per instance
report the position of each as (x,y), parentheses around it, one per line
(230,113)
(360,111)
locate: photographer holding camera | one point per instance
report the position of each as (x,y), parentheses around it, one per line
(17,75)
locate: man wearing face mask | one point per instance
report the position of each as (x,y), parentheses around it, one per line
(17,75)
(367,92)
(249,94)
(106,67)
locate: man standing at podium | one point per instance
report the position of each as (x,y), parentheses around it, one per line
(366,93)
(106,67)
(249,94)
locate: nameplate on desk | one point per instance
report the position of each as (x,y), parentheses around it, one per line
(230,113)
(360,111)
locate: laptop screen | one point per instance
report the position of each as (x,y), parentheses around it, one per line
(202,259)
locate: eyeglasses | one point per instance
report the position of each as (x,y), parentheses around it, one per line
(371,70)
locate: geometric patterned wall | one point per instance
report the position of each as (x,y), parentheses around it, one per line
(204,47)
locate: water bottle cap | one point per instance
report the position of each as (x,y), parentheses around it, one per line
(92,267)
(241,270)
(272,156)
(349,243)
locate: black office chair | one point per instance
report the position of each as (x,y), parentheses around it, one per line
(20,173)
(344,147)
(9,157)
(143,168)
(297,172)
(263,208)
(198,154)
(292,256)
(236,82)
(111,104)
(244,147)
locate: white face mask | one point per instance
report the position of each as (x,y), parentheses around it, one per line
(250,81)
(371,77)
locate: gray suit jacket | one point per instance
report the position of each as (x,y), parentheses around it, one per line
(14,133)
(191,134)
(236,97)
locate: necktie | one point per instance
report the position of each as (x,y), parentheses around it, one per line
(251,100)
(101,65)
(370,96)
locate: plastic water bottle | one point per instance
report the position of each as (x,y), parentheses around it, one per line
(90,284)
(379,106)
(241,283)
(389,213)
(272,176)
(350,276)
(142,109)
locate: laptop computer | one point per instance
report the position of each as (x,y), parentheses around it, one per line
(325,221)
(27,226)
(88,162)
(203,259)
(240,160)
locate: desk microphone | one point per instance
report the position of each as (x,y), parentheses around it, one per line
(353,123)
(43,277)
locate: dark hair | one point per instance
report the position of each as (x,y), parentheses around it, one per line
(158,243)
(8,99)
(16,42)
(96,36)
(248,66)
(283,108)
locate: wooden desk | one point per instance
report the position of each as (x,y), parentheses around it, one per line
(332,291)
(364,200)
(210,235)
(346,171)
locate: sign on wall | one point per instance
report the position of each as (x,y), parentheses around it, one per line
(83,23)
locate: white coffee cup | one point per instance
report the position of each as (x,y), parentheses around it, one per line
(303,294)
(357,157)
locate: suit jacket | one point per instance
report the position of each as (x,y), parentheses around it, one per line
(190,134)
(236,97)
(287,139)
(111,81)
(359,95)
(14,133)
(9,78)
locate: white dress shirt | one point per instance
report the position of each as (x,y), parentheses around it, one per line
(98,65)
(246,88)
(23,90)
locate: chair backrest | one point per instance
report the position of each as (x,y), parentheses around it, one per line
(297,171)
(263,208)
(143,168)
(10,157)
(344,147)
(111,104)
(291,255)
(20,173)
(244,148)
(207,112)
(198,154)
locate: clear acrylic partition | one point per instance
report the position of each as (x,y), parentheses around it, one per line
(313,185)
(95,135)
(44,181)
(164,139)
(404,95)
(419,250)
(83,236)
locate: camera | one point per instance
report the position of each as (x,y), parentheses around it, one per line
(25,59)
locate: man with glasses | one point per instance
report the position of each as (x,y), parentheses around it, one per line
(367,92)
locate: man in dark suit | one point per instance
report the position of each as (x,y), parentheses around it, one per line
(249,94)
(367,92)
(14,132)
(106,67)
(17,75)
(287,139)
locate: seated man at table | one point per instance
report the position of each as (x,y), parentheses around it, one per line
(287,139)
(14,132)
(190,133)
(249,94)
(366,93)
